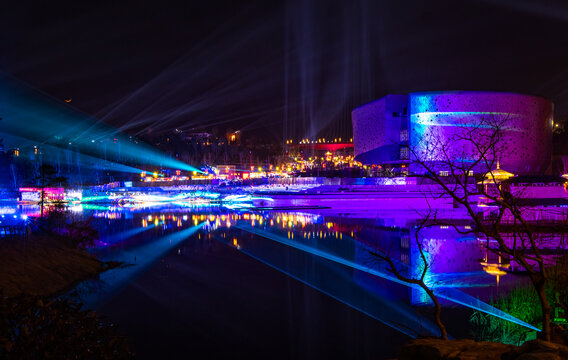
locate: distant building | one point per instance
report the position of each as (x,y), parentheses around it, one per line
(198,136)
(385,130)
(233,137)
(226,171)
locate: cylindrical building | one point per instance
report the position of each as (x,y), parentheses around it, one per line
(377,129)
(387,131)
(525,121)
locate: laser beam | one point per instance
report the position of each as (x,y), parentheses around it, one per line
(450,294)
(28,113)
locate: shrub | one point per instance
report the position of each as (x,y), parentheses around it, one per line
(34,327)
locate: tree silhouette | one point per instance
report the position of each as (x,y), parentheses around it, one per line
(464,167)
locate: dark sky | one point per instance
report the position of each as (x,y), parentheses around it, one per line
(275,68)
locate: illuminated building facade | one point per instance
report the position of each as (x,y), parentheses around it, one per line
(233,137)
(331,157)
(385,130)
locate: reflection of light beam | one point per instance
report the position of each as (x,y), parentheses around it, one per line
(126,234)
(464,299)
(453,295)
(399,316)
(95,207)
(143,256)
(87,199)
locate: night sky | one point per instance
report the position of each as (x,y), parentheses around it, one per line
(286,69)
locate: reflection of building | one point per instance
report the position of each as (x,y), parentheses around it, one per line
(385,130)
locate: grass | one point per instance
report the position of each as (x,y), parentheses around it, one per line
(522,303)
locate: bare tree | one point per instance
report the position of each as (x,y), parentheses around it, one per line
(419,280)
(462,166)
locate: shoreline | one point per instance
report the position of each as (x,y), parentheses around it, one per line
(42,266)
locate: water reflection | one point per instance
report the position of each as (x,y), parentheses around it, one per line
(327,251)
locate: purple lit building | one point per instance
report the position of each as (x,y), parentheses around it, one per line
(384,130)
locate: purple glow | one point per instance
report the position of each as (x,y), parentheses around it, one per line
(383,128)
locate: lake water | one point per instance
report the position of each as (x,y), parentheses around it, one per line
(212,282)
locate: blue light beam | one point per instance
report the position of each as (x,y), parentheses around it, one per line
(396,315)
(452,295)
(145,256)
(29,113)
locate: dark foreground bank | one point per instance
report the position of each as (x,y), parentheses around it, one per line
(36,323)
(436,349)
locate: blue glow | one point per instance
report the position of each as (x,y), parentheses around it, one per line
(453,295)
(95,207)
(85,161)
(94,198)
(435,118)
(116,238)
(206,194)
(340,286)
(30,114)
(243,198)
(141,258)
(455,119)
